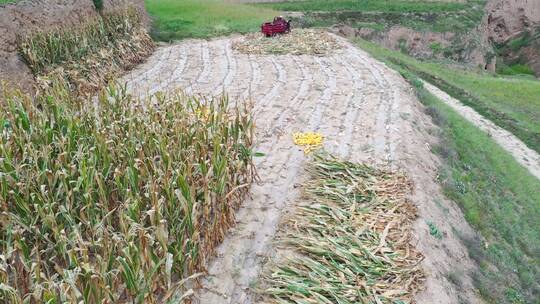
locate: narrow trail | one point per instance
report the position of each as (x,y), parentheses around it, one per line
(524,155)
(366,112)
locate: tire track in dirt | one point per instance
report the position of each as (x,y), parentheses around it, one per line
(173,71)
(203,77)
(363,121)
(278,83)
(380,140)
(230,68)
(353,100)
(179,70)
(352,113)
(306,82)
(339,104)
(201,68)
(322,106)
(254,78)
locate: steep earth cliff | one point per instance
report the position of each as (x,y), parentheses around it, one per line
(513,26)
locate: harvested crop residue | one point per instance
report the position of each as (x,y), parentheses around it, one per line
(349,242)
(297,42)
(90,55)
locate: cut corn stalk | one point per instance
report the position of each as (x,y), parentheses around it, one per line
(297,42)
(348,242)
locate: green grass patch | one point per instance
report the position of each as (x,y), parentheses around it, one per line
(418,15)
(511,103)
(367,5)
(175,19)
(514,69)
(500,198)
(7,1)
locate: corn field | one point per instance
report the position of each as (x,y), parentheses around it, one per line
(119,203)
(349,242)
(91,55)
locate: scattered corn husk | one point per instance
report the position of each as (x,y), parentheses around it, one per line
(311,141)
(348,242)
(297,42)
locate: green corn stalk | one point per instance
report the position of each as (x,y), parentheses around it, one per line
(114,204)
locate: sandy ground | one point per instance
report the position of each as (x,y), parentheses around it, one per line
(367,113)
(525,156)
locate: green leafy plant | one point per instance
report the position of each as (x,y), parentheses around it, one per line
(434,231)
(98,4)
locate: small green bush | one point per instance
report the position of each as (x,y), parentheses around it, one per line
(98,4)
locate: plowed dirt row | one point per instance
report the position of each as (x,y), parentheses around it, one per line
(366,112)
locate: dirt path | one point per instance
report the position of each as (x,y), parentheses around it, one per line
(366,111)
(527,157)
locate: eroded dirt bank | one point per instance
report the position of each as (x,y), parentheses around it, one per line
(366,112)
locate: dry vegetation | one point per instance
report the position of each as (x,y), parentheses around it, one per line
(116,203)
(351,239)
(297,42)
(91,55)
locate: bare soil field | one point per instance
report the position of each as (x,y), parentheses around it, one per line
(367,113)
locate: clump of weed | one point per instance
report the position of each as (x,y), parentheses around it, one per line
(434,231)
(98,4)
(116,202)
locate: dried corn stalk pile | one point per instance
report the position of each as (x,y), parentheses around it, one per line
(349,242)
(297,42)
(115,204)
(89,56)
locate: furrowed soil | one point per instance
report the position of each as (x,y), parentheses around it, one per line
(367,113)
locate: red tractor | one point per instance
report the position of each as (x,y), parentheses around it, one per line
(278,26)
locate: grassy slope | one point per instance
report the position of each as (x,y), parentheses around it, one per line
(512,103)
(175,19)
(498,196)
